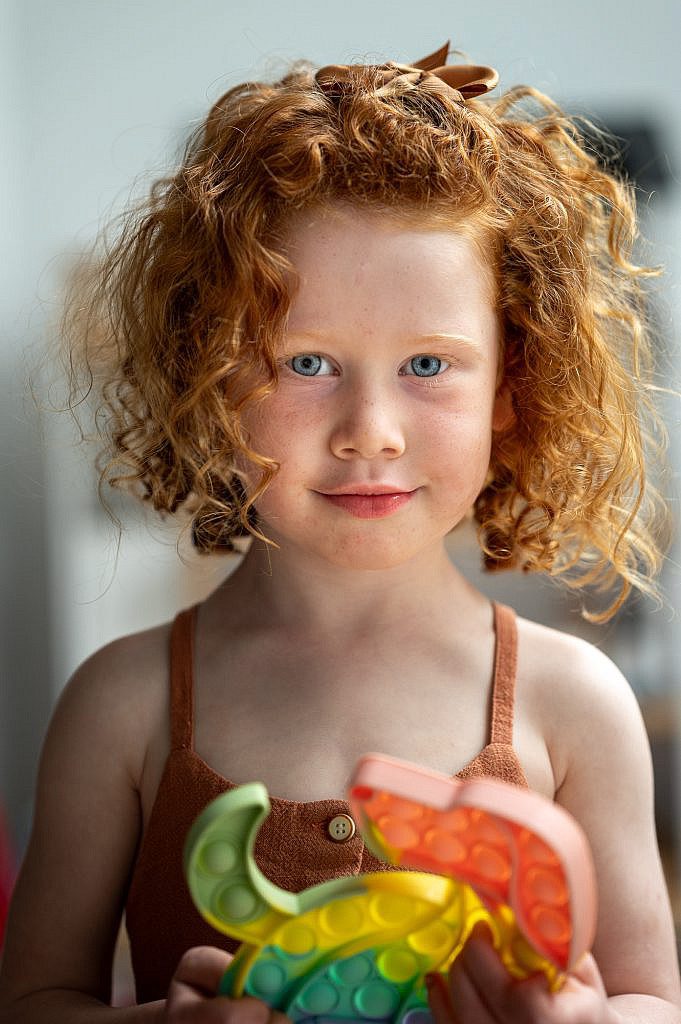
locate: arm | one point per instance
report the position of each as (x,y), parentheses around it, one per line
(70,893)
(602,769)
(606,782)
(69,897)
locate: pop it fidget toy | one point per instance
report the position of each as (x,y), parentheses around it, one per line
(357,948)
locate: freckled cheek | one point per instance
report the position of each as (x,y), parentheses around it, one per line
(278,427)
(467,430)
(281,431)
(458,452)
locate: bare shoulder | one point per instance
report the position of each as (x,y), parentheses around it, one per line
(579,697)
(561,657)
(119,691)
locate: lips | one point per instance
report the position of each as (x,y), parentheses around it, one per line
(369,502)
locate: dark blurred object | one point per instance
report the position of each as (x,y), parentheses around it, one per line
(633,149)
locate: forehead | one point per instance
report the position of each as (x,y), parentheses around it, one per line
(373,266)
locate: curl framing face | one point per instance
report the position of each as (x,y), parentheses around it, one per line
(192,296)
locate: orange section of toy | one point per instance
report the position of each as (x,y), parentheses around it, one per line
(511,846)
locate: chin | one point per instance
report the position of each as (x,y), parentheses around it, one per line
(371,558)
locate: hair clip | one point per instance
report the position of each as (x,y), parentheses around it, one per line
(463,80)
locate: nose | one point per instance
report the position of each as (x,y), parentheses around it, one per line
(367,423)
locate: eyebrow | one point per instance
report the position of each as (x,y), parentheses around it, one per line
(432,336)
(439,336)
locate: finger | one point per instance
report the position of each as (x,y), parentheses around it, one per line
(530,1001)
(483,966)
(480,982)
(582,997)
(221,1010)
(470,1004)
(439,999)
(196,982)
(201,968)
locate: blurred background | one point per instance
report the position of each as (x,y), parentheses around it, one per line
(96,100)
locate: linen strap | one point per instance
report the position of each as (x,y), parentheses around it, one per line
(505,669)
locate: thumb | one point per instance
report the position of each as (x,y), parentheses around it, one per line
(201,968)
(587,972)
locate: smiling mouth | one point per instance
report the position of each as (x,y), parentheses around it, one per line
(369,506)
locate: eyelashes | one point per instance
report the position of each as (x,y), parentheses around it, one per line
(427,366)
(308,365)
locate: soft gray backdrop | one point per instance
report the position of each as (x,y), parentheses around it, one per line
(96,96)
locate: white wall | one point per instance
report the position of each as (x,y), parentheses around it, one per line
(95,94)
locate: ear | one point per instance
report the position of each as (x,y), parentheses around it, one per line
(503,413)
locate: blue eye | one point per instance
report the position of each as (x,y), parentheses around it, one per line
(308,365)
(426,366)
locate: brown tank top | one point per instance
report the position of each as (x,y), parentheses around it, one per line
(292,848)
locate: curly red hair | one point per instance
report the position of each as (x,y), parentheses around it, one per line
(185,309)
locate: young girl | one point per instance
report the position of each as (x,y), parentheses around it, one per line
(369,302)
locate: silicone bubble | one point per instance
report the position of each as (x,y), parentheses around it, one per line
(357,949)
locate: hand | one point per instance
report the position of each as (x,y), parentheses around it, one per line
(479,990)
(192,997)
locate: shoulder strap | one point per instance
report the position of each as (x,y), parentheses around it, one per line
(182,680)
(505,669)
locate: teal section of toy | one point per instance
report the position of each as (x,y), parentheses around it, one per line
(357,948)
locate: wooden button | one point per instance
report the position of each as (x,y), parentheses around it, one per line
(341,828)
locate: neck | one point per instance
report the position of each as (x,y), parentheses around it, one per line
(277,589)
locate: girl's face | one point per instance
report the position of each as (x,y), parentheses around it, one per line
(383,417)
